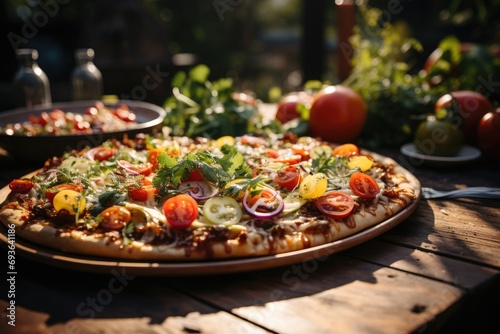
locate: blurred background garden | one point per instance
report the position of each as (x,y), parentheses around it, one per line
(261,44)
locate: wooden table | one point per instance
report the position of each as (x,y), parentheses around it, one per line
(438,271)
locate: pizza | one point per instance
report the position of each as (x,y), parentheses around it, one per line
(167,198)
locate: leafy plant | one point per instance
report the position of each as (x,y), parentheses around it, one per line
(199,107)
(381,73)
(463,66)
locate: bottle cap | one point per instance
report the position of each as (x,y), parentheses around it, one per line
(83,54)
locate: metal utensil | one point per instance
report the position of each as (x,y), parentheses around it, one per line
(471,192)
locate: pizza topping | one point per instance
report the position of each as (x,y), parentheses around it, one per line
(153,155)
(222,210)
(180,211)
(21,186)
(141,213)
(363,185)
(145,168)
(322,150)
(362,162)
(114,218)
(69,200)
(78,165)
(195,175)
(288,177)
(100,153)
(236,188)
(266,203)
(225,140)
(313,186)
(346,150)
(199,190)
(51,192)
(335,204)
(144,191)
(293,203)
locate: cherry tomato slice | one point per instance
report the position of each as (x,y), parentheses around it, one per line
(288,177)
(153,155)
(44,118)
(144,193)
(289,159)
(363,185)
(272,153)
(81,126)
(346,150)
(92,111)
(180,211)
(300,150)
(335,204)
(195,175)
(56,114)
(135,169)
(124,113)
(100,153)
(21,186)
(51,192)
(115,218)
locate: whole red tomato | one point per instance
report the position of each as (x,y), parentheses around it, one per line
(288,106)
(488,134)
(337,114)
(472,107)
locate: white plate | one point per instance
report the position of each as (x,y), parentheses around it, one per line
(466,154)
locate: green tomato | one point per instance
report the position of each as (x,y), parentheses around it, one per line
(438,138)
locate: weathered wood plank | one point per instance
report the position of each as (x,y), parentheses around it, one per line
(337,295)
(455,228)
(71,302)
(456,272)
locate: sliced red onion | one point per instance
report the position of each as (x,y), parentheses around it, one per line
(91,153)
(274,209)
(123,164)
(199,190)
(52,170)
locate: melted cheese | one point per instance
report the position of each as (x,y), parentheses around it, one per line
(81,165)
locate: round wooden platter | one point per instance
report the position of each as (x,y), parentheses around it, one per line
(98,265)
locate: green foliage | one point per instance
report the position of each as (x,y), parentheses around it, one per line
(199,107)
(460,66)
(216,170)
(381,74)
(399,99)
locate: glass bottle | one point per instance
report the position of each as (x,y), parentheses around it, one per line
(31,84)
(86,78)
